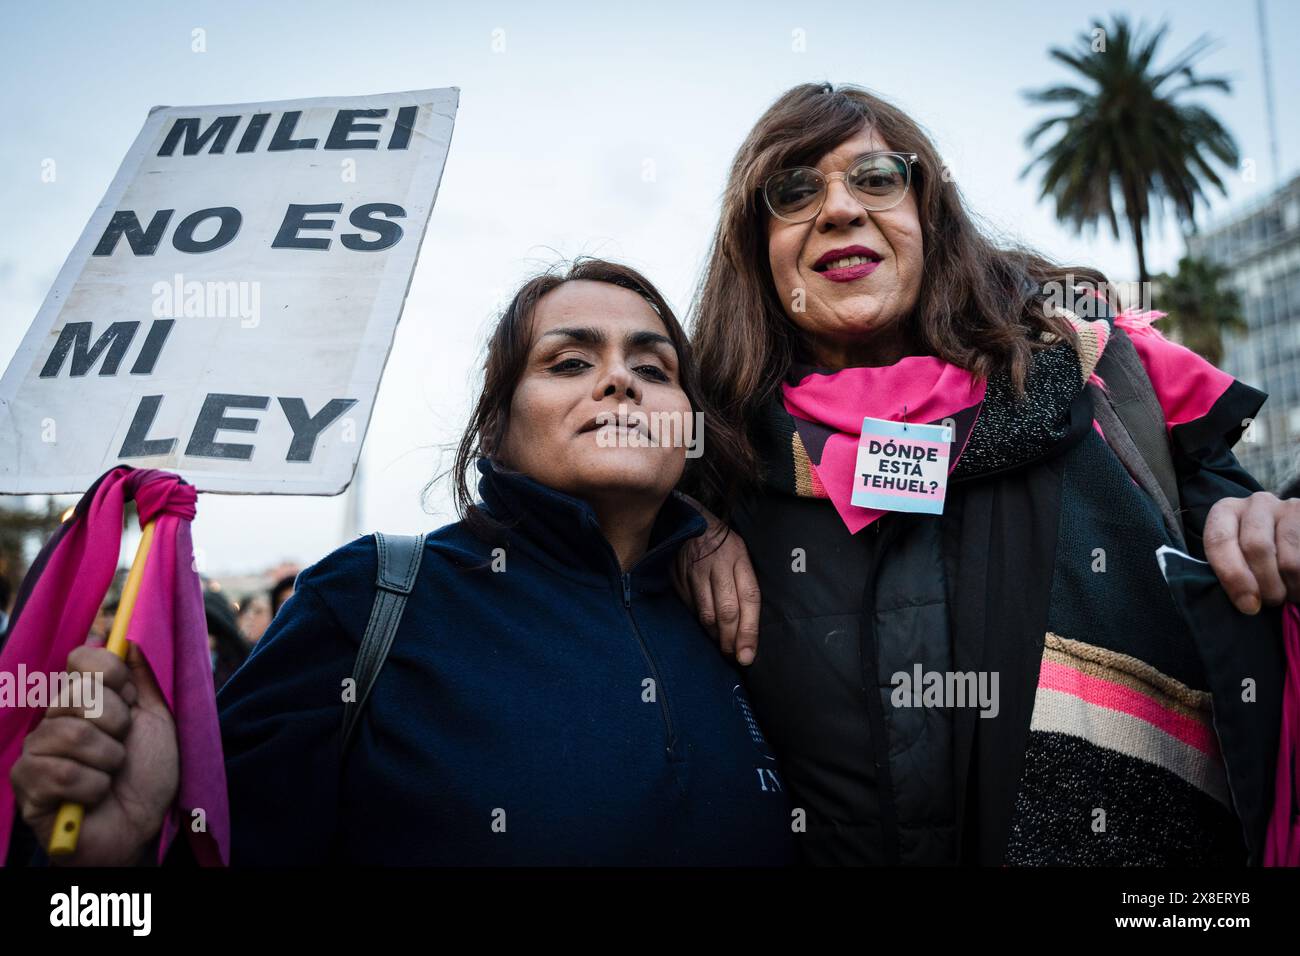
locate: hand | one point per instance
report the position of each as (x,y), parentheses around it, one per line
(713,575)
(123,765)
(1253,544)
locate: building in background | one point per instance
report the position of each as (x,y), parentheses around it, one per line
(1260,246)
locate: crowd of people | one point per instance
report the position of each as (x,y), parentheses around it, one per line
(234,626)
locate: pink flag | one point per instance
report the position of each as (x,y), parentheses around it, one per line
(57,605)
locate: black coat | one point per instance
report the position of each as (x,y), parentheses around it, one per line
(884,787)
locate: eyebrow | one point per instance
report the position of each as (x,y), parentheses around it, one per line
(590,335)
(810,162)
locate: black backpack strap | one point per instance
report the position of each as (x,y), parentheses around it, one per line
(399,563)
(1130,415)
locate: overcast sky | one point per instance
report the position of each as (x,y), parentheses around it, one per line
(562,108)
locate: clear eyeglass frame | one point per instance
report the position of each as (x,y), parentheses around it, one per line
(811,211)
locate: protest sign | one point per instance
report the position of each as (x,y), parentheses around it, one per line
(227,313)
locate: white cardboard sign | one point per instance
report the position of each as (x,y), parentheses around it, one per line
(229,308)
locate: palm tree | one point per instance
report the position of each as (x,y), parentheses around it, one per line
(1202,306)
(1129,136)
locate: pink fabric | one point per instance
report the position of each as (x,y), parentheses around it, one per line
(927,388)
(168,624)
(1186,385)
(1282,841)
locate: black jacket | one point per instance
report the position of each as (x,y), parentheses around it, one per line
(970,590)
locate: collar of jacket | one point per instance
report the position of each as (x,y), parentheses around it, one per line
(562,532)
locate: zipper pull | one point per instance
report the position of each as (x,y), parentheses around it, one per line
(627,588)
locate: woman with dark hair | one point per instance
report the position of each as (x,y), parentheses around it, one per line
(968,653)
(547,699)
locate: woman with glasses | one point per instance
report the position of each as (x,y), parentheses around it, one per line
(966,651)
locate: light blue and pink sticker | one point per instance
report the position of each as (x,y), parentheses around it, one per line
(902,466)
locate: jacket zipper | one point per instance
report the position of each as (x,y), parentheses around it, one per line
(625,578)
(875,709)
(660,694)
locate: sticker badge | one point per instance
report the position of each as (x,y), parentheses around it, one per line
(902,466)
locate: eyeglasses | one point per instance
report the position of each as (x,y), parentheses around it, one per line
(878,181)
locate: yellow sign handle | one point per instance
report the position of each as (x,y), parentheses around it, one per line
(67,825)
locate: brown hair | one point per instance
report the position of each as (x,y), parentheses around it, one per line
(507,357)
(980,306)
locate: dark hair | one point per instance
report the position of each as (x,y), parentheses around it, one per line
(286,583)
(507,357)
(222,625)
(980,306)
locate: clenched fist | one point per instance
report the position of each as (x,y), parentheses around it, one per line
(122,765)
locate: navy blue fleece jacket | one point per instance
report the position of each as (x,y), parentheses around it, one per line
(554,710)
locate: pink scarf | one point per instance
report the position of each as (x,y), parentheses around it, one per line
(828,407)
(1282,841)
(168,624)
(828,410)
